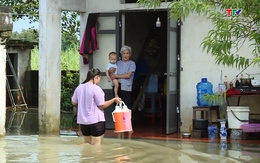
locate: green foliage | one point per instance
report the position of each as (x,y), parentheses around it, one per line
(150,3)
(35,59)
(217,98)
(30,9)
(69,81)
(229,34)
(23,9)
(69,41)
(31,35)
(70,75)
(69,59)
(66,121)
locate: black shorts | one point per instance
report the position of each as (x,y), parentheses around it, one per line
(96,129)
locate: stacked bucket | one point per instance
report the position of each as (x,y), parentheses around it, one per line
(237,116)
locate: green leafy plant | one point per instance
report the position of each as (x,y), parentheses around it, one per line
(217,98)
(69,81)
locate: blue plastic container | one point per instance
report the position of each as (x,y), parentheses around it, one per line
(152,86)
(203,87)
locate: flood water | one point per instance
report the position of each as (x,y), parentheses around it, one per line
(37,148)
(27,146)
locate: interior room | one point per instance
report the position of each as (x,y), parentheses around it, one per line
(146,33)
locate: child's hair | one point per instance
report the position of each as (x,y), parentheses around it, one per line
(91,74)
(112,53)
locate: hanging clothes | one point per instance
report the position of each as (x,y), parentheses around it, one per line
(89,41)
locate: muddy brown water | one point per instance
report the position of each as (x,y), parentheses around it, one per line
(69,148)
(26,145)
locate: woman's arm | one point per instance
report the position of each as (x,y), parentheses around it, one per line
(123,76)
(110,102)
(74,103)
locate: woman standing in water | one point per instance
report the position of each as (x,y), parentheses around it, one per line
(90,100)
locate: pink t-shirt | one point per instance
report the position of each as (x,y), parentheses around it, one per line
(89,96)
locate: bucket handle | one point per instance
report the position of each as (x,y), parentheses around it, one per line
(238,118)
(113,117)
(120,106)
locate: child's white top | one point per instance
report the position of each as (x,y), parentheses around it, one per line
(111,65)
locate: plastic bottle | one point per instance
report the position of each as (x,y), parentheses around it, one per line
(203,87)
(226,82)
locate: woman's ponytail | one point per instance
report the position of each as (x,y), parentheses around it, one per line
(91,74)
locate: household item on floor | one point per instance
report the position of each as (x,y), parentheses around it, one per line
(212,131)
(118,118)
(253,127)
(200,124)
(223,130)
(203,87)
(237,115)
(197,134)
(186,135)
(152,86)
(208,109)
(236,134)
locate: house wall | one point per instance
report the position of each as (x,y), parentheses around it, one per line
(23,62)
(2,90)
(197,64)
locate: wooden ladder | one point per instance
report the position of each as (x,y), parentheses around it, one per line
(19,105)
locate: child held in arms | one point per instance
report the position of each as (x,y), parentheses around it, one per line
(112,56)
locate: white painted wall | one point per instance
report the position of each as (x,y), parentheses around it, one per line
(2,89)
(197,64)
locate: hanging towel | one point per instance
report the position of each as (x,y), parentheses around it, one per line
(89,41)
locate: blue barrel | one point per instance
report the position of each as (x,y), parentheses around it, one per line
(203,87)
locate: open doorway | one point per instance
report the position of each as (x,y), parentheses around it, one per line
(149,48)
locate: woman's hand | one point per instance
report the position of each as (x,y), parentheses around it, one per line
(117,100)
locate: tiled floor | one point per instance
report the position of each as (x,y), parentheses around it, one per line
(156,132)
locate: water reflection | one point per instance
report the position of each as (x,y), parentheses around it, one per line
(223,147)
(34,148)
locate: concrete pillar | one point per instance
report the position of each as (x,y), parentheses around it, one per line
(2,89)
(49,66)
